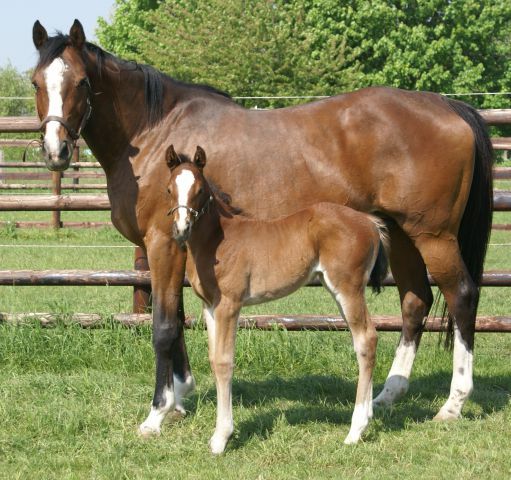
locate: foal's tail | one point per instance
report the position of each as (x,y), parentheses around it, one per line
(381,265)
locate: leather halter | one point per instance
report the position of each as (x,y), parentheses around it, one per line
(74,134)
(196,214)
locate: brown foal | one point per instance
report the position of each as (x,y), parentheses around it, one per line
(235,261)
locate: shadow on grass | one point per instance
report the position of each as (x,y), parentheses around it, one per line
(330,399)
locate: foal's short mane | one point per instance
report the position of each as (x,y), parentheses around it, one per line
(153,79)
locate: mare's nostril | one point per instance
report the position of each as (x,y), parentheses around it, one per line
(64,152)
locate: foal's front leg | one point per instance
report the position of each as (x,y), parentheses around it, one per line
(173,375)
(222,322)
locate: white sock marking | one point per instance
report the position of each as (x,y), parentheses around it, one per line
(54,77)
(462,383)
(396,384)
(152,424)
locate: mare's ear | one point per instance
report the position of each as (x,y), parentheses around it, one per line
(77,35)
(39,35)
(171,157)
(200,157)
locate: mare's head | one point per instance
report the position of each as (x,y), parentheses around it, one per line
(62,92)
(190,195)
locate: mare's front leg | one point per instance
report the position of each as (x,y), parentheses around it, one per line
(173,374)
(222,322)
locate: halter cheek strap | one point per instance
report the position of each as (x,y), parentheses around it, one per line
(196,214)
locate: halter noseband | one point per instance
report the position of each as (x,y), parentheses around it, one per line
(196,214)
(74,134)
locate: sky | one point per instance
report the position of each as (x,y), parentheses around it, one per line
(18,16)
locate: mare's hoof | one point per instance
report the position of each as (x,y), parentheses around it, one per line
(147,431)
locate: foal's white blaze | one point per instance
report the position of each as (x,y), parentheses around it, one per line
(461,384)
(184,182)
(396,384)
(152,424)
(54,78)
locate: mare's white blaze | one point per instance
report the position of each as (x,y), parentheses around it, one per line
(461,384)
(396,384)
(184,182)
(152,424)
(54,78)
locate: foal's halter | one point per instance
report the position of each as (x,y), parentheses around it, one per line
(195,214)
(74,134)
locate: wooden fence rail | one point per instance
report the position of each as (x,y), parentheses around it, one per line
(140,277)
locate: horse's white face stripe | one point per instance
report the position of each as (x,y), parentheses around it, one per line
(184,182)
(54,78)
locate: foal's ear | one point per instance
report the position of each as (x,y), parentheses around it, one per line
(39,35)
(77,35)
(171,157)
(200,157)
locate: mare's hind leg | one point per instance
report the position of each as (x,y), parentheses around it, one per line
(446,266)
(173,375)
(351,302)
(416,299)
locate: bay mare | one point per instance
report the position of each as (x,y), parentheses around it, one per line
(234,261)
(420,161)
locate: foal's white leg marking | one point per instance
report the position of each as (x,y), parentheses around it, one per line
(396,384)
(152,424)
(184,182)
(461,384)
(363,411)
(54,77)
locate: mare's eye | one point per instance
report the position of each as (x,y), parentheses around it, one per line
(200,190)
(168,190)
(83,82)
(36,87)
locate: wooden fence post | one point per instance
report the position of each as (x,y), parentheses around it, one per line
(141,295)
(76,159)
(56,188)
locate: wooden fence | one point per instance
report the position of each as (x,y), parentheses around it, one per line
(139,278)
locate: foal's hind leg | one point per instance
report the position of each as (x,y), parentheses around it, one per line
(222,325)
(446,266)
(351,302)
(416,298)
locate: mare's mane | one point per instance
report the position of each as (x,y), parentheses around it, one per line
(153,79)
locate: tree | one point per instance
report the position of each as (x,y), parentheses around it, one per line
(15,84)
(322,47)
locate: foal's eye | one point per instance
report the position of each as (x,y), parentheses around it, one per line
(200,190)
(36,87)
(168,190)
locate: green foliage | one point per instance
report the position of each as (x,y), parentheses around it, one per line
(321,47)
(15,84)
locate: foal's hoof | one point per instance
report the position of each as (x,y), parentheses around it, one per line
(148,431)
(446,416)
(351,440)
(217,444)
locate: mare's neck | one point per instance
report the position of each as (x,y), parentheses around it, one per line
(118,119)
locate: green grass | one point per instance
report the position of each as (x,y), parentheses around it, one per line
(71,398)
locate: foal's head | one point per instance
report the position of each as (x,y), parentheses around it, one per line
(189,191)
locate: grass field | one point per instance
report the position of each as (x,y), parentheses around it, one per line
(71,398)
